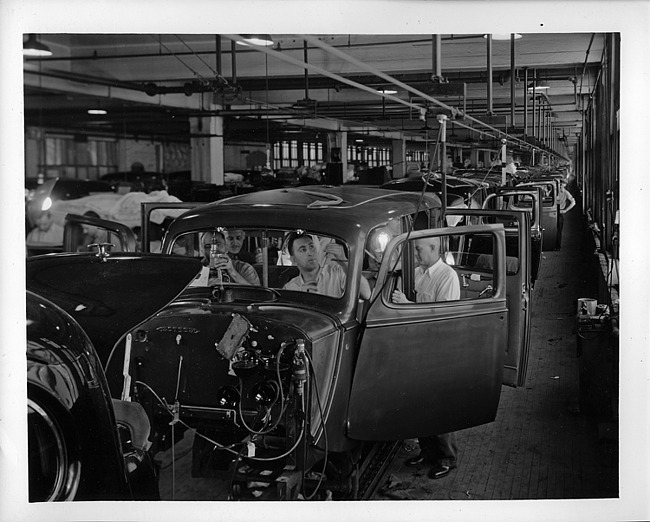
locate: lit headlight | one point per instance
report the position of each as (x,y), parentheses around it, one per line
(47,203)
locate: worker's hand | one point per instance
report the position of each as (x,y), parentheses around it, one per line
(399,297)
(259,256)
(335,251)
(223,262)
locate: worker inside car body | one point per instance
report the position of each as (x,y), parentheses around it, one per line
(46,231)
(235,238)
(434,281)
(327,277)
(223,269)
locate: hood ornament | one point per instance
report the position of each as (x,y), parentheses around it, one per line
(102,250)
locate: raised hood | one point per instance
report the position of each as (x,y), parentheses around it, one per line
(108,296)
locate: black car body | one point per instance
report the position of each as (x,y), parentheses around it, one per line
(296,391)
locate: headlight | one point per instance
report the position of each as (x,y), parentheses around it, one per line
(47,203)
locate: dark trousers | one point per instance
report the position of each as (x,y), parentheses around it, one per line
(560,224)
(441,449)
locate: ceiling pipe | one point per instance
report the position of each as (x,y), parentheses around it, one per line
(233,51)
(217,53)
(436,58)
(489,73)
(534,97)
(358,63)
(525,102)
(512,80)
(285,57)
(306,59)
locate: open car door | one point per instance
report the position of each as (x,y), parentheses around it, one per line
(80,233)
(528,199)
(550,212)
(431,367)
(518,282)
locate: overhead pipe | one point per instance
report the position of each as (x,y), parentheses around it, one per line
(489,74)
(217,53)
(584,67)
(534,97)
(285,57)
(233,58)
(512,80)
(305,55)
(316,42)
(454,111)
(525,102)
(436,57)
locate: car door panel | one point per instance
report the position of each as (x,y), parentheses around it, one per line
(429,368)
(536,211)
(550,216)
(518,288)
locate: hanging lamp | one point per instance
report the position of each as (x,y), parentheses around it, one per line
(32,47)
(256,39)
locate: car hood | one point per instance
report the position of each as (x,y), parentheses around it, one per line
(187,349)
(108,296)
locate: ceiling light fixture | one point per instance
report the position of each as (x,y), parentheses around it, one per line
(503,36)
(97,111)
(32,47)
(387,91)
(256,39)
(541,86)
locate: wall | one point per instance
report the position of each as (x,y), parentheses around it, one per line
(244,156)
(144,151)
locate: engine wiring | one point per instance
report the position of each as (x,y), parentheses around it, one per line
(280,392)
(172,410)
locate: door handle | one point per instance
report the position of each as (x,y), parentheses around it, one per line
(524,296)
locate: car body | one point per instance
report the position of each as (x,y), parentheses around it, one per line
(295,390)
(461,193)
(83,443)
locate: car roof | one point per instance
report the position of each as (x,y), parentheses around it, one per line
(340,211)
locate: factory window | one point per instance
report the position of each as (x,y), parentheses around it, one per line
(373,156)
(294,154)
(78,158)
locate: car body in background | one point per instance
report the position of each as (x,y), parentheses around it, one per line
(135,181)
(46,195)
(459,191)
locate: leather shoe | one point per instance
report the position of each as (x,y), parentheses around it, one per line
(415,461)
(440,471)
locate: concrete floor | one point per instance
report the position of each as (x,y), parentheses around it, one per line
(542,445)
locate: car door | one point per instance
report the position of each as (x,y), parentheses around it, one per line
(80,233)
(151,213)
(550,214)
(518,286)
(432,367)
(523,198)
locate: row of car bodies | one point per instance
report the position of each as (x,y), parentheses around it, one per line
(292,389)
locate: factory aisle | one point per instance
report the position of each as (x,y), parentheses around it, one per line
(542,445)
